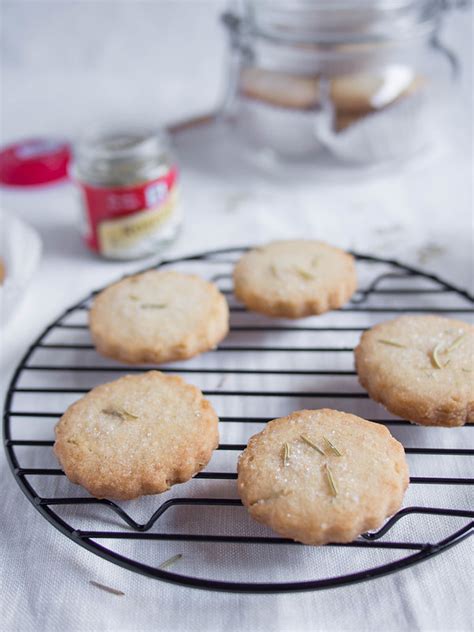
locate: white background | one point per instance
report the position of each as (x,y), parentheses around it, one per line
(69,66)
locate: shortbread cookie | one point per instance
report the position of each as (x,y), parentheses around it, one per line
(295,278)
(363,93)
(357,93)
(137,435)
(421,368)
(280,89)
(321,476)
(158,316)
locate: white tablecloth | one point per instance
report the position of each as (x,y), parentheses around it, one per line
(422,216)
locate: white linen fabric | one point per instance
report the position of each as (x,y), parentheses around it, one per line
(46,578)
(421,215)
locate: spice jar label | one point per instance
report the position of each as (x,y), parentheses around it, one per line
(120,219)
(123,233)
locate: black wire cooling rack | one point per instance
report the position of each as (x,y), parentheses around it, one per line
(264,369)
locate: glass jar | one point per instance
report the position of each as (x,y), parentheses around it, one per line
(128,184)
(360,80)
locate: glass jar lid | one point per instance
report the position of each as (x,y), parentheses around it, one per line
(329,22)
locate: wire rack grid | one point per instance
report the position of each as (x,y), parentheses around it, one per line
(265,368)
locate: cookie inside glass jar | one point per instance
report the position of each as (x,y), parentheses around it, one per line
(358,95)
(353,96)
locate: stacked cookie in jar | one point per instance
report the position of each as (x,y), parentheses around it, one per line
(360,81)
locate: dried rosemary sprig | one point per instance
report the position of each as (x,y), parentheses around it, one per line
(313,445)
(171,561)
(153,305)
(332,447)
(112,412)
(121,413)
(331,481)
(392,343)
(436,360)
(274,271)
(128,414)
(285,453)
(455,344)
(304,274)
(113,591)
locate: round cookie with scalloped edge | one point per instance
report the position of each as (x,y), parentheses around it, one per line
(320,476)
(295,278)
(158,316)
(137,435)
(420,368)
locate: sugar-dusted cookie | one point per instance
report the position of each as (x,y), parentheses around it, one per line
(158,316)
(421,368)
(321,476)
(137,435)
(295,278)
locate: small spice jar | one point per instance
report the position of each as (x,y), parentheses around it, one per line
(128,183)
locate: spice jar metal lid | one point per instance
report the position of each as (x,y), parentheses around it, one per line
(121,158)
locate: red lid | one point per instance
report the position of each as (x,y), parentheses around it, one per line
(34,161)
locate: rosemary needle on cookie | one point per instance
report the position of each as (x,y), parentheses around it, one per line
(391,343)
(331,481)
(285,453)
(313,445)
(332,447)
